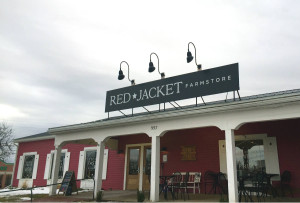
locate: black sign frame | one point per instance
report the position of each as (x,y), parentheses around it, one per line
(68,184)
(196,84)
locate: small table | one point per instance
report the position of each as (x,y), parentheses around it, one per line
(164,185)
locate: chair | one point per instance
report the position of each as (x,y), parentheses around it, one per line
(209,179)
(184,185)
(194,181)
(174,184)
(285,183)
(197,179)
(223,184)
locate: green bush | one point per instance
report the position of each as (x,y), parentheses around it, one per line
(140,196)
(99,196)
(223,199)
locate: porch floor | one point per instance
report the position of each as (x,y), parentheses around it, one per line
(131,196)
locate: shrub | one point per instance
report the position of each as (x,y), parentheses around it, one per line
(223,199)
(99,196)
(58,186)
(140,196)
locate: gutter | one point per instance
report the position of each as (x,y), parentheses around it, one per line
(34,139)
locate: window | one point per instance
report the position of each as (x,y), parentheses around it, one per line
(90,163)
(61,165)
(253,153)
(28,166)
(87,163)
(8,180)
(250,156)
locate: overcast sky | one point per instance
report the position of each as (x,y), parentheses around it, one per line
(58,58)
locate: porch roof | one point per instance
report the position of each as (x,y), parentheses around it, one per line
(39,136)
(279,97)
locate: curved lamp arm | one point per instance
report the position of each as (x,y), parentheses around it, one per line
(132,81)
(157,60)
(161,74)
(195,50)
(198,65)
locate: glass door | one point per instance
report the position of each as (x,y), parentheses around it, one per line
(147,168)
(133,168)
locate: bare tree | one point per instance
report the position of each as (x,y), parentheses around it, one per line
(6,141)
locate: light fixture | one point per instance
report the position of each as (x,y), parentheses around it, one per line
(190,57)
(164,150)
(122,76)
(152,68)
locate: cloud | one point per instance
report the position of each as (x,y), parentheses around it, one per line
(59,58)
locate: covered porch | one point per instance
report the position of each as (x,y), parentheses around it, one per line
(203,127)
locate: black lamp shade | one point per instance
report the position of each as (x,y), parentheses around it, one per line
(151,67)
(189,57)
(121,75)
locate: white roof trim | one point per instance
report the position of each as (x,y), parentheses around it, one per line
(49,137)
(209,109)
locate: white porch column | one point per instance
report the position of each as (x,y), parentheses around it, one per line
(155,167)
(231,166)
(55,169)
(99,167)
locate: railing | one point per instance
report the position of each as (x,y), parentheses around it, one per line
(48,186)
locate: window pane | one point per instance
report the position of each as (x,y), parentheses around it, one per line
(250,156)
(52,159)
(134,161)
(90,162)
(61,165)
(148,161)
(8,180)
(28,166)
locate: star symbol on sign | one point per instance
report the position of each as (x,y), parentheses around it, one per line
(134,96)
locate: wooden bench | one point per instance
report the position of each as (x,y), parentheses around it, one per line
(194,180)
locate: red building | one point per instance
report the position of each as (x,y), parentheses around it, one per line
(6,171)
(256,133)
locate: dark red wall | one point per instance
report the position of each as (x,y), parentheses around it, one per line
(44,147)
(207,150)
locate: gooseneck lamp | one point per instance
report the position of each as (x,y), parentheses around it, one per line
(190,57)
(122,76)
(152,68)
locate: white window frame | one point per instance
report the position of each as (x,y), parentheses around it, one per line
(81,164)
(49,163)
(270,152)
(21,165)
